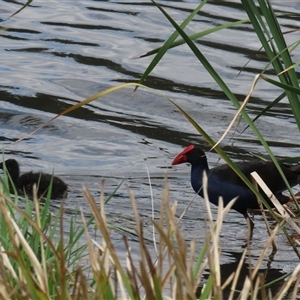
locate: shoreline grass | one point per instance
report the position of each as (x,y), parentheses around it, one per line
(39,260)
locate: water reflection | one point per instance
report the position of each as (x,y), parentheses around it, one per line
(54,55)
(266,275)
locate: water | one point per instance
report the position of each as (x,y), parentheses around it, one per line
(55,54)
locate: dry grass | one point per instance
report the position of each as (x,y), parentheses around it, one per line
(175,271)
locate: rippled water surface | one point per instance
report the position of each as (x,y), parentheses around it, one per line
(54,54)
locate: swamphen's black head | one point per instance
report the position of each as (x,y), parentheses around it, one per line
(191,154)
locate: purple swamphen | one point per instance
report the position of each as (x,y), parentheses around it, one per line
(223,181)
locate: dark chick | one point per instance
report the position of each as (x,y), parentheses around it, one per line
(24,183)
